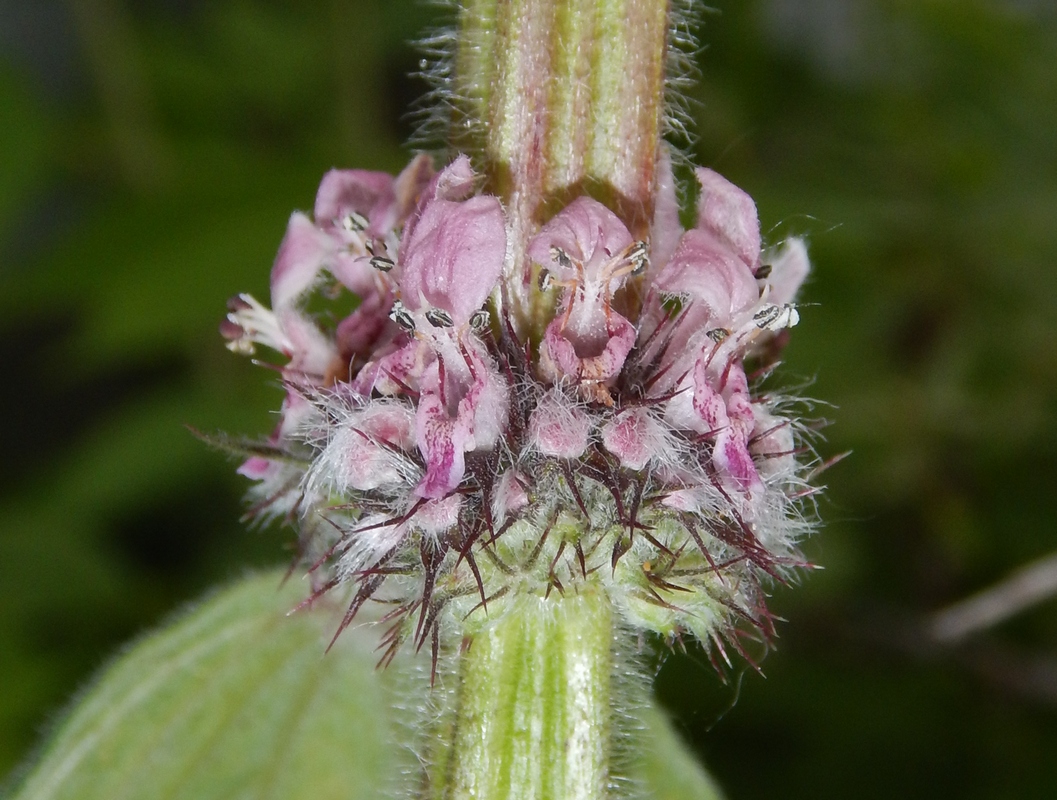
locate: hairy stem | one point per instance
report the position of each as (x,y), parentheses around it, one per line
(561,98)
(534,702)
(556,99)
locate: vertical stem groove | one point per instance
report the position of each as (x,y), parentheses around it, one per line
(561,98)
(556,99)
(534,704)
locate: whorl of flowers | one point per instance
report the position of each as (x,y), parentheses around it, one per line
(438,455)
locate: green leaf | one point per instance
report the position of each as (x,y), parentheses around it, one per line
(236,699)
(668,769)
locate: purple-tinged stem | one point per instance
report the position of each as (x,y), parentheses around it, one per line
(560,98)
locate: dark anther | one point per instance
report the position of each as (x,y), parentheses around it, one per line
(439,318)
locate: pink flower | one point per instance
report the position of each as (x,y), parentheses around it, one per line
(451,256)
(713,266)
(453,250)
(607,435)
(462,407)
(357,212)
(353,208)
(728,214)
(383,201)
(587,251)
(713,273)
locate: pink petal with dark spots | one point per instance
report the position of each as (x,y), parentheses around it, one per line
(458,411)
(395,369)
(441,440)
(732,461)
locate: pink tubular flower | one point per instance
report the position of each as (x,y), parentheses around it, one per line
(358,212)
(462,407)
(587,251)
(613,438)
(713,273)
(454,255)
(453,249)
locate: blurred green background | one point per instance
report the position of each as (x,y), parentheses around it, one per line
(150,153)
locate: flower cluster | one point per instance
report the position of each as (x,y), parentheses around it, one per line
(439,455)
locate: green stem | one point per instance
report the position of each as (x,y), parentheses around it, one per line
(534,701)
(556,99)
(562,98)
